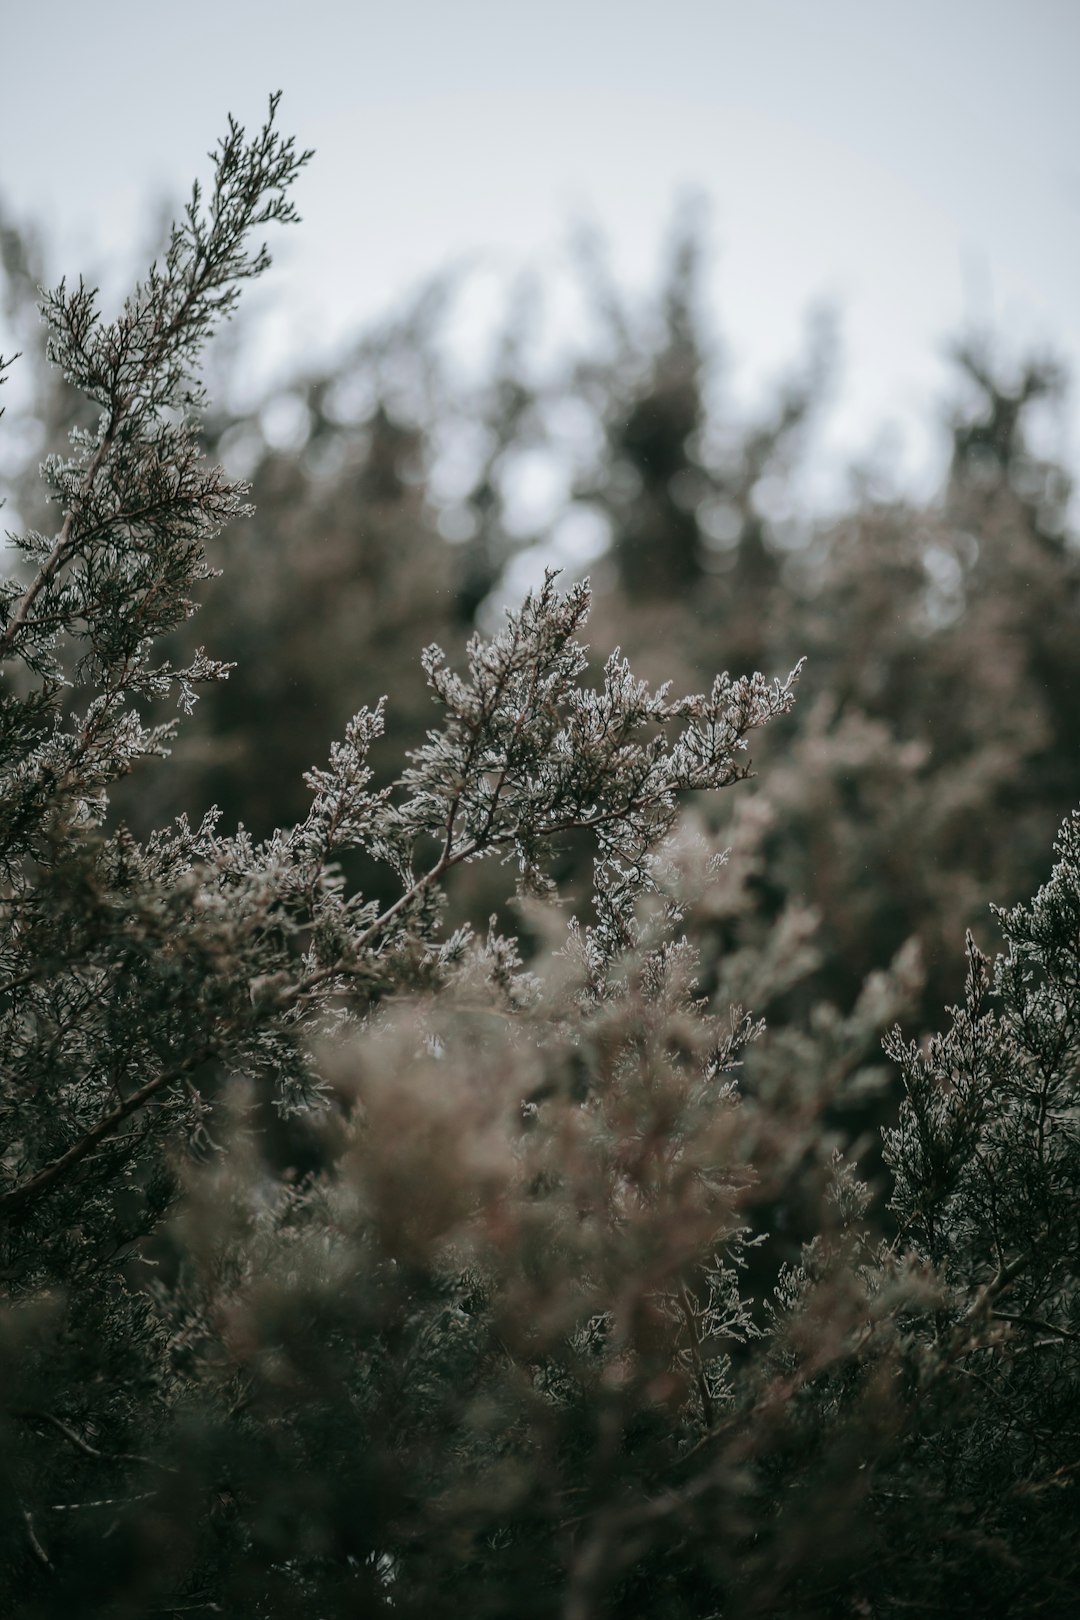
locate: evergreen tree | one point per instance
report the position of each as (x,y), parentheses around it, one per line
(570,1301)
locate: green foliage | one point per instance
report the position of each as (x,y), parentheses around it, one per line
(552,1287)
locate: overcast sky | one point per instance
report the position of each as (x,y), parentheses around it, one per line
(914,162)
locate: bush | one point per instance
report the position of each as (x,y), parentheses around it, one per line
(554,1290)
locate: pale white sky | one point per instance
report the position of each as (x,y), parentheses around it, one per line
(915,162)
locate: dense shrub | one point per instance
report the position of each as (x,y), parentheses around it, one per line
(556,1291)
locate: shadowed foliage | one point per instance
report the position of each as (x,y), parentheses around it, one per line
(361,1254)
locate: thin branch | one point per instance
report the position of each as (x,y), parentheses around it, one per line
(40,1555)
(1005,1275)
(15,1200)
(100,1502)
(61,551)
(86,1448)
(686,1307)
(1038,1324)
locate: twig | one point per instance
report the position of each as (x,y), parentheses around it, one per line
(1038,1323)
(686,1306)
(45,1178)
(86,1448)
(40,1555)
(102,1501)
(60,552)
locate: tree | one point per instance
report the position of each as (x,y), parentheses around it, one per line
(510,1331)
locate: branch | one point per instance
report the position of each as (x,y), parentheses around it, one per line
(40,1555)
(1038,1324)
(86,1448)
(60,552)
(998,1284)
(686,1308)
(15,1200)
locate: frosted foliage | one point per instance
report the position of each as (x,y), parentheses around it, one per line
(357,1263)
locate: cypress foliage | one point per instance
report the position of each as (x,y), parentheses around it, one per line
(556,1293)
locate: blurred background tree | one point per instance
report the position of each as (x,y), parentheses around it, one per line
(936,745)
